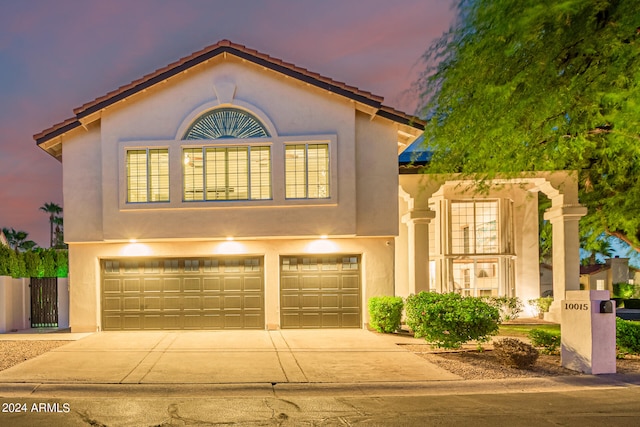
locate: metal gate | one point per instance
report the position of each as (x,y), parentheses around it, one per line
(44,302)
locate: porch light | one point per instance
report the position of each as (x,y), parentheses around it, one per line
(322,246)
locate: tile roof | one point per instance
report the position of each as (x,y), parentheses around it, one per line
(240,51)
(593,269)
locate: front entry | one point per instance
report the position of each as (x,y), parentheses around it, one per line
(320,292)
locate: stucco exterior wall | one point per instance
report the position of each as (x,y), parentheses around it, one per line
(159,117)
(85,311)
(82,185)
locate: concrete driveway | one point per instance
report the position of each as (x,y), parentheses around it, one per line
(228,357)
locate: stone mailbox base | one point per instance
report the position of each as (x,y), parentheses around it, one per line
(588,335)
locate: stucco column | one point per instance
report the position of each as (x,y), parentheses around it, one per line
(566,253)
(418,223)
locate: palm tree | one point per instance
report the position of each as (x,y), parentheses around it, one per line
(18,239)
(595,245)
(59,232)
(53,210)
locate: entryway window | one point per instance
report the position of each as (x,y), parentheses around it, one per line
(148,175)
(474,227)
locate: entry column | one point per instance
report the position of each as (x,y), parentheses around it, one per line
(566,253)
(418,224)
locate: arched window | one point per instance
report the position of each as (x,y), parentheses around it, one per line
(226,123)
(240,171)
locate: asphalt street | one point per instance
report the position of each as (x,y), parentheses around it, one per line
(594,407)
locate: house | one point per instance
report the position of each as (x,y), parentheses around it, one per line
(233,190)
(3,239)
(604,276)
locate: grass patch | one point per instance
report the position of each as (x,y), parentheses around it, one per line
(523,330)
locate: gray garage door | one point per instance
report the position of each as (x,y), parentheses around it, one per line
(191,293)
(320,292)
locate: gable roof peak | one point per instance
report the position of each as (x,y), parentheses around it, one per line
(240,51)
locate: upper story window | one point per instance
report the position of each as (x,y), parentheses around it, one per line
(226,123)
(148,175)
(227,173)
(474,227)
(217,172)
(307,171)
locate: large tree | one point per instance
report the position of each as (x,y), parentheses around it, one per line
(532,85)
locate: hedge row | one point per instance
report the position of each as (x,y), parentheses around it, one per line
(35,263)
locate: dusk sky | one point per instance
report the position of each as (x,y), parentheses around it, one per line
(57,55)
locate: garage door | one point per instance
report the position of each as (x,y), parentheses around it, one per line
(322,292)
(192,293)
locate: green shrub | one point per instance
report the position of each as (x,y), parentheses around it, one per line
(385,313)
(34,263)
(509,307)
(624,290)
(450,320)
(542,305)
(627,336)
(515,353)
(549,341)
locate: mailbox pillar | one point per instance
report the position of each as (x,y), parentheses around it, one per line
(589,332)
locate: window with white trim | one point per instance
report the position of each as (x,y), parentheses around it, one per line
(307,171)
(474,227)
(227,173)
(148,175)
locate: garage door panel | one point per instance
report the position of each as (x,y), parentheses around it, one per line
(131,303)
(211,303)
(350,282)
(331,301)
(153,285)
(153,321)
(351,319)
(171,303)
(232,284)
(330,282)
(212,284)
(192,303)
(253,321)
(112,322)
(330,320)
(112,304)
(290,301)
(131,322)
(232,302)
(320,293)
(310,320)
(111,286)
(172,321)
(290,320)
(171,284)
(309,282)
(193,321)
(132,285)
(253,284)
(310,302)
(351,301)
(152,303)
(192,284)
(286,283)
(253,302)
(211,321)
(233,321)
